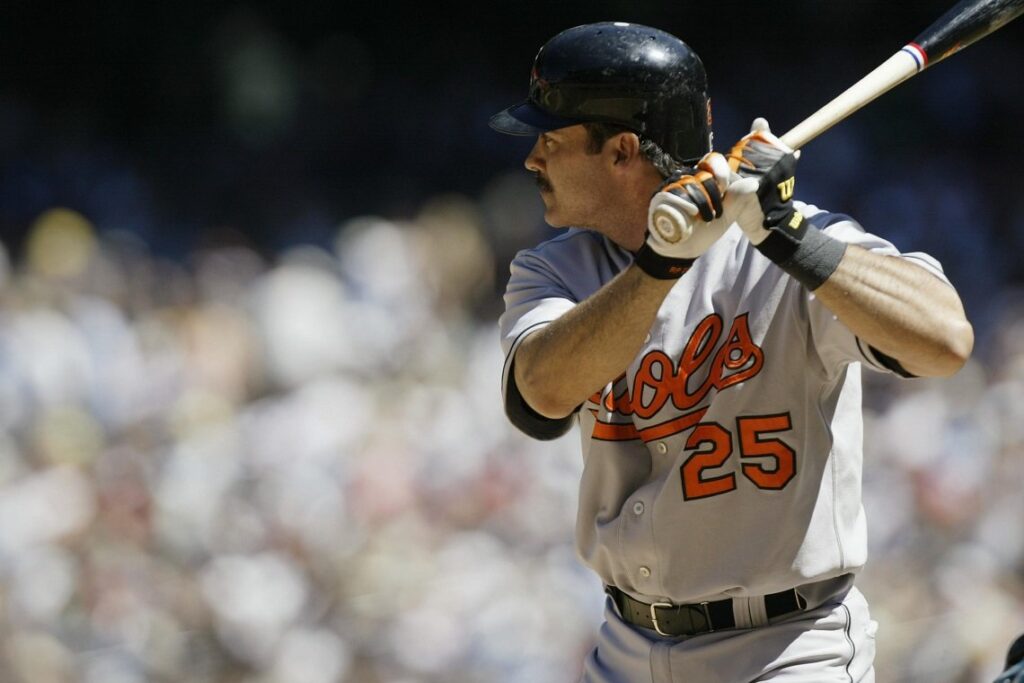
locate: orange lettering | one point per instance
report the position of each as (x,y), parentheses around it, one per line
(739,354)
(658,382)
(695,353)
(658,379)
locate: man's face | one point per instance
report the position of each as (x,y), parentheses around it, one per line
(574,182)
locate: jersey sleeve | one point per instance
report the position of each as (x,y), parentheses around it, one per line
(544,283)
(535,296)
(835,343)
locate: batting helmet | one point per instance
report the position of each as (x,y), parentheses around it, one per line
(644,79)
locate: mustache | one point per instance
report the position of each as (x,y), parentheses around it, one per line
(543,183)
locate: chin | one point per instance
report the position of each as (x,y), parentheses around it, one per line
(552,218)
(554,222)
(557,216)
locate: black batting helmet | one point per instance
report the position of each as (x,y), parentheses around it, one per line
(636,76)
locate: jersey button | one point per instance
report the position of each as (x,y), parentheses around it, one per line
(638,508)
(645,572)
(662,448)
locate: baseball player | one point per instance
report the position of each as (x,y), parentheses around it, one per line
(706,331)
(1014,672)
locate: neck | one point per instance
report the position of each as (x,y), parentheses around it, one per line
(630,221)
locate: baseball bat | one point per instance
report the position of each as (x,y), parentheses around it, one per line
(966,22)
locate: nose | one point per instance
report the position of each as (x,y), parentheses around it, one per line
(534,161)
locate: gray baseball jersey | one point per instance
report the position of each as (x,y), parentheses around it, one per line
(726,461)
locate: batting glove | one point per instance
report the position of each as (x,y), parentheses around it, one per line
(685,217)
(765,211)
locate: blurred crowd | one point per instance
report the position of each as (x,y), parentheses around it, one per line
(241,469)
(294,471)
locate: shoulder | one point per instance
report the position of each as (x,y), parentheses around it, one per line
(847,229)
(574,245)
(580,259)
(822,219)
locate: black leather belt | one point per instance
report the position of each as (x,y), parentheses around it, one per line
(704,617)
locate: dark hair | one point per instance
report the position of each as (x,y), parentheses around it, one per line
(599,133)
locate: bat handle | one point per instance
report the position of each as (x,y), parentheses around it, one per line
(890,73)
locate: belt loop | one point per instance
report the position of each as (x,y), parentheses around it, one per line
(707,616)
(741,612)
(611,592)
(757,611)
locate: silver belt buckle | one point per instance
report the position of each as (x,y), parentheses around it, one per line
(654,617)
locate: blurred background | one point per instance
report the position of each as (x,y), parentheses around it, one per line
(251,267)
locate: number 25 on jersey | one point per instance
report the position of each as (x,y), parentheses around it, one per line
(766,461)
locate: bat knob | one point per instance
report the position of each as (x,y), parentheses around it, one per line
(670,224)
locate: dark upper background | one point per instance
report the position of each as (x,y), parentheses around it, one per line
(197,123)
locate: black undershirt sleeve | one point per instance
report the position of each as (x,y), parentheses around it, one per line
(891,363)
(526,419)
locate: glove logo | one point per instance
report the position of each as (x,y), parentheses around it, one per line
(786,188)
(796,220)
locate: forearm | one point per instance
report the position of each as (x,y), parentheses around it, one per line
(900,309)
(559,367)
(897,307)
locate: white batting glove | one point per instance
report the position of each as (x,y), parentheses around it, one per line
(685,217)
(763,198)
(757,153)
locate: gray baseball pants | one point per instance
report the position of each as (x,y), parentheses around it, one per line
(834,642)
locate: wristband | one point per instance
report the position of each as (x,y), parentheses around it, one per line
(810,261)
(661,267)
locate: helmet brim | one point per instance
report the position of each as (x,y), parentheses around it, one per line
(526,118)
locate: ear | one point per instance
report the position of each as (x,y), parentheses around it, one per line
(625,148)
